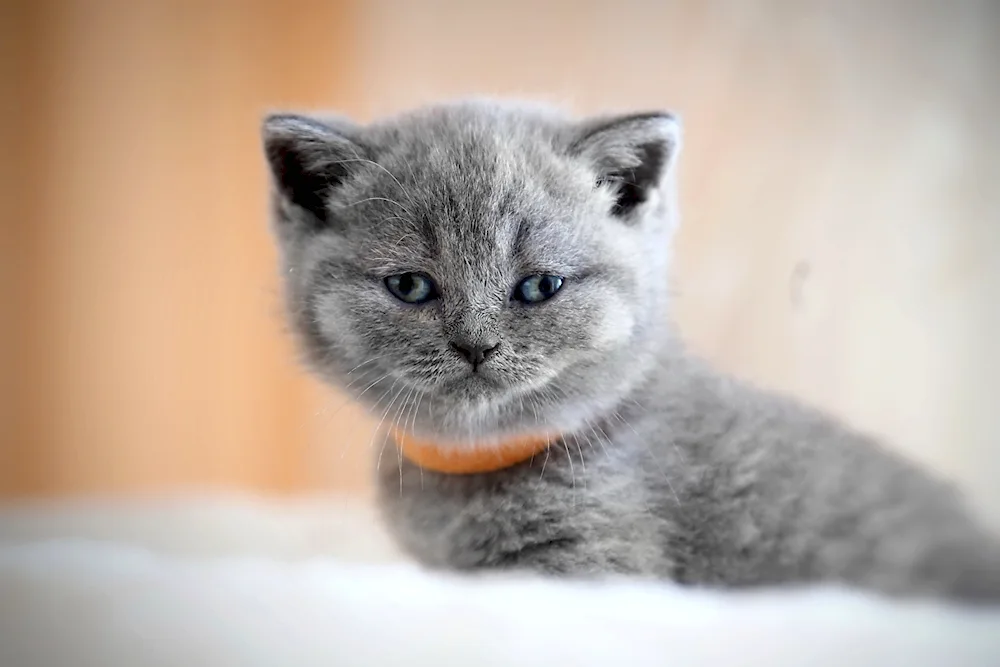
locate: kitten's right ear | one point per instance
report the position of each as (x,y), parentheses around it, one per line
(308,158)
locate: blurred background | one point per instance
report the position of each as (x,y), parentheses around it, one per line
(839,189)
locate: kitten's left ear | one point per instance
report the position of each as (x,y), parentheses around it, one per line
(635,153)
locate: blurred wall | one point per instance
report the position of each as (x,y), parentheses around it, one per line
(144,335)
(838,191)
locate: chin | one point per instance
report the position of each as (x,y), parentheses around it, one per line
(473,409)
(474,388)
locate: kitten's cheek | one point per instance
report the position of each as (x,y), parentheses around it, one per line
(337,325)
(615,328)
(340,336)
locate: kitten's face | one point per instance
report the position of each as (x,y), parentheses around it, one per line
(471,272)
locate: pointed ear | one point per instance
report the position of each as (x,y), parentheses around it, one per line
(633,153)
(309,158)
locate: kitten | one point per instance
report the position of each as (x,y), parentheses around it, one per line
(491,279)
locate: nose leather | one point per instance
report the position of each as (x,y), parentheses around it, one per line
(475,352)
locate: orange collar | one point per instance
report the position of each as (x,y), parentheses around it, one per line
(456,460)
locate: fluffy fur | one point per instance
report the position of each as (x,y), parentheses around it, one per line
(666,468)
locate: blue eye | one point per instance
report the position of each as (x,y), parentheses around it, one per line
(537,288)
(413,288)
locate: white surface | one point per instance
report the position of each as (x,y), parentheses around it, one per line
(279,587)
(212,524)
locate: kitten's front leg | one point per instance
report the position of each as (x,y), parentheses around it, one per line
(542,541)
(520,519)
(524,540)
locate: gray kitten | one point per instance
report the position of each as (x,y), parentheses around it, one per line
(477,271)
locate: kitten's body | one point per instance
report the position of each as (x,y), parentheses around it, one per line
(662,466)
(705,481)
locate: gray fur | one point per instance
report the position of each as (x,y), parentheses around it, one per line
(667,468)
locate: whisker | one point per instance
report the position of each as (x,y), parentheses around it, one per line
(383,168)
(328,415)
(385,199)
(347,441)
(413,427)
(325,411)
(548,448)
(378,427)
(405,236)
(572,474)
(600,442)
(598,436)
(365,363)
(358,424)
(365,390)
(399,451)
(583,463)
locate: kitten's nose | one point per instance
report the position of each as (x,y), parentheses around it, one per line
(475,352)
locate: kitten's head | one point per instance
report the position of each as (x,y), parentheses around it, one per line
(474,271)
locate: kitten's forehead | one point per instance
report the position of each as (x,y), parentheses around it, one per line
(476,182)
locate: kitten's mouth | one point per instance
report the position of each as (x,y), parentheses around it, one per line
(475,381)
(484,387)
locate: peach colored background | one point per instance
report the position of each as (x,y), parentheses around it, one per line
(839,189)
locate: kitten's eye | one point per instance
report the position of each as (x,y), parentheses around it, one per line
(414,288)
(537,288)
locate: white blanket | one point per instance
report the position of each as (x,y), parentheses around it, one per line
(210,584)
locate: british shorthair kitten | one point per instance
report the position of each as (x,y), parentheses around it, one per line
(491,281)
